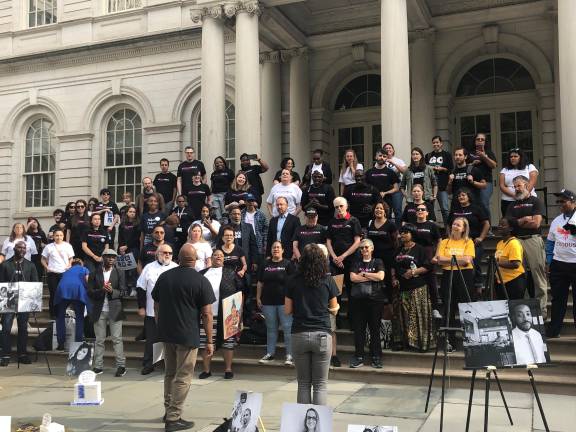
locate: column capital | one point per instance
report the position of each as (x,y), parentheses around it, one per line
(197,14)
(291,53)
(271,57)
(234,7)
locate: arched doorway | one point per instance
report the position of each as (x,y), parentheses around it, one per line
(497,96)
(356,120)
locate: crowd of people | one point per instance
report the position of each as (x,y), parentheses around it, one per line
(379,231)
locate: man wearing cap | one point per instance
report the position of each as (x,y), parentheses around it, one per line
(525,217)
(561,260)
(254,217)
(253,173)
(282,228)
(318,165)
(106,286)
(311,232)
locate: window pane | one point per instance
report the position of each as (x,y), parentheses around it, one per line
(508,122)
(361,92)
(467,126)
(524,119)
(483,123)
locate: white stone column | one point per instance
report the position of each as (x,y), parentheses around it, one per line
(299,107)
(213,96)
(567,63)
(422,80)
(395,77)
(271,93)
(247,76)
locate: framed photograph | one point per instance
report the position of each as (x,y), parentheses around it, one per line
(232,314)
(8,298)
(29,296)
(246,411)
(306,418)
(80,357)
(527,332)
(371,428)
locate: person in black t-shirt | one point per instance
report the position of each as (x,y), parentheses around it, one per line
(186,169)
(270,292)
(384,235)
(484,159)
(129,241)
(147,192)
(465,176)
(384,179)
(317,165)
(185,219)
(308,233)
(198,195)
(76,226)
(148,252)
(94,242)
(221,179)
(361,197)
(149,220)
(289,164)
(409,213)
(253,173)
(234,256)
(320,196)
(441,162)
(183,298)
(109,212)
(165,183)
(59,223)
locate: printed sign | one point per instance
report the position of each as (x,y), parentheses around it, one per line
(232,314)
(126,261)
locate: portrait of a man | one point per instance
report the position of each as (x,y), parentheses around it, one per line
(529,346)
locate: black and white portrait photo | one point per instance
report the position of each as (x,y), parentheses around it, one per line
(487,337)
(246,411)
(29,296)
(528,332)
(306,418)
(370,428)
(8,298)
(80,357)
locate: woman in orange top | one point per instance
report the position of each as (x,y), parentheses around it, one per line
(461,246)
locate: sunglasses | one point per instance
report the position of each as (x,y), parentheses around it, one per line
(79,206)
(72,207)
(421,209)
(166,253)
(514,150)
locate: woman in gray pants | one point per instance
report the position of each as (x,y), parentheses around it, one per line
(311,298)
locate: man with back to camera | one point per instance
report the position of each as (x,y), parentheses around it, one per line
(165,183)
(16,269)
(181,295)
(528,344)
(185,170)
(253,173)
(561,260)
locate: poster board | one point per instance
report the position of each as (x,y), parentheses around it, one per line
(247,409)
(29,296)
(126,261)
(80,356)
(305,417)
(232,314)
(8,298)
(503,333)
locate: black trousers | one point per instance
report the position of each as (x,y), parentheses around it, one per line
(366,312)
(562,275)
(516,288)
(458,291)
(53,279)
(7,320)
(151,332)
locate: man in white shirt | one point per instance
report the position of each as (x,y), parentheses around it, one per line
(529,347)
(144,287)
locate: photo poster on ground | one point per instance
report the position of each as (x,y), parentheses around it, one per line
(503,333)
(371,428)
(29,296)
(8,298)
(80,357)
(246,411)
(126,261)
(305,418)
(232,314)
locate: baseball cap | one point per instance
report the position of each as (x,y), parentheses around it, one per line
(109,252)
(311,212)
(565,193)
(250,197)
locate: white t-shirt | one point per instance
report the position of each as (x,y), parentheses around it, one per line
(564,242)
(58,256)
(204,251)
(316,167)
(397,161)
(8,248)
(147,280)
(105,306)
(214,275)
(249,219)
(291,192)
(510,174)
(206,232)
(347,177)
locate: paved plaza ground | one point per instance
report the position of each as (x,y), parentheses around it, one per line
(134,403)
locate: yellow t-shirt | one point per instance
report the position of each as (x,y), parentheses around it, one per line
(511,249)
(449,247)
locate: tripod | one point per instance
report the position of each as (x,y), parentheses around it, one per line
(492,272)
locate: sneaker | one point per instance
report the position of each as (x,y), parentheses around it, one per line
(376,362)
(4,361)
(228,375)
(436,314)
(133,293)
(266,359)
(178,425)
(147,370)
(204,375)
(98,371)
(335,361)
(356,362)
(24,359)
(120,372)
(289,361)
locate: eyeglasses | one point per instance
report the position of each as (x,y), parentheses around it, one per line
(166,253)
(514,150)
(421,209)
(105,193)
(72,207)
(79,206)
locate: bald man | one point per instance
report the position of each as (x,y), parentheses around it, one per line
(181,295)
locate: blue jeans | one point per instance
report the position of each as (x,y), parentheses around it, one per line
(485,196)
(218,205)
(312,351)
(61,324)
(444,202)
(397,199)
(273,314)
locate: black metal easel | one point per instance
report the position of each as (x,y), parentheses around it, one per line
(536,395)
(493,271)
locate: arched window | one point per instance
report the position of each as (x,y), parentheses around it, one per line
(123,168)
(40,164)
(496,75)
(230,136)
(361,92)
